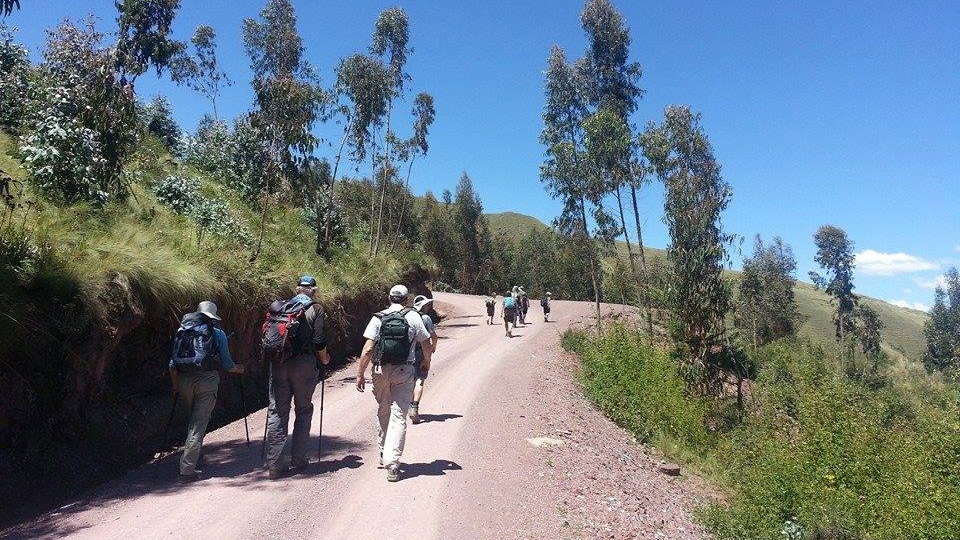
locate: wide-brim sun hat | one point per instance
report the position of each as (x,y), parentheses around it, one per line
(209,309)
(420,301)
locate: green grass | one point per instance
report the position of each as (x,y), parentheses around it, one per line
(903,327)
(817,456)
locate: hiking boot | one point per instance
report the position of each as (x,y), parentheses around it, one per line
(276,473)
(415,413)
(393,473)
(188,478)
(299,463)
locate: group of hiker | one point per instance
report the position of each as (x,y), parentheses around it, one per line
(400,342)
(515,308)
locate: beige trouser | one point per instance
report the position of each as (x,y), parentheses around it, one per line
(393,388)
(198,393)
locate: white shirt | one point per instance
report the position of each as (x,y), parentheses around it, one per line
(417,331)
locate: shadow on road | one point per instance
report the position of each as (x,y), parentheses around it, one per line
(459,325)
(438,467)
(425,418)
(347,462)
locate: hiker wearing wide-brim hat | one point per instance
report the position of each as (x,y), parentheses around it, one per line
(294,373)
(390,335)
(545,304)
(199,350)
(422,303)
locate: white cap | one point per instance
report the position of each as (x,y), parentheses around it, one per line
(398,291)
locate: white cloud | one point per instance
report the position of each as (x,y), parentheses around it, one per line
(931,283)
(919,306)
(875,263)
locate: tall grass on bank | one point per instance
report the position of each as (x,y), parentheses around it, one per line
(817,456)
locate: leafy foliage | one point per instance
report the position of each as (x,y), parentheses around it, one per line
(158,119)
(209,148)
(14,80)
(144,29)
(766,309)
(201,71)
(183,196)
(835,255)
(942,330)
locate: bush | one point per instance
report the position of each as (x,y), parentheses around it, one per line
(14,80)
(157,118)
(208,148)
(179,193)
(183,196)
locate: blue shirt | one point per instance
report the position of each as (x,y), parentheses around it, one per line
(223,350)
(431,329)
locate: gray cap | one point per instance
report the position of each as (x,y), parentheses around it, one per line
(209,309)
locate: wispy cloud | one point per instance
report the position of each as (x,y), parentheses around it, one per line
(876,263)
(931,283)
(919,306)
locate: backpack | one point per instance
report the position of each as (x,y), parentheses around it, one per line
(544,302)
(393,347)
(193,345)
(490,301)
(284,327)
(507,302)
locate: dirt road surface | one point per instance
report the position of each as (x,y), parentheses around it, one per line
(470,469)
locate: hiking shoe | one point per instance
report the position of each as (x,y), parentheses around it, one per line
(393,473)
(276,473)
(415,414)
(188,478)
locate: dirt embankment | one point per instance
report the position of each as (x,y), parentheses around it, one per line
(91,399)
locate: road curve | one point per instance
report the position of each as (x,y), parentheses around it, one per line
(465,467)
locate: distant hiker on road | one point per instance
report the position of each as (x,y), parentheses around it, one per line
(545,304)
(509,313)
(491,302)
(420,303)
(295,346)
(523,305)
(199,350)
(390,335)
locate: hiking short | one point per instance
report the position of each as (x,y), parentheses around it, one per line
(546,309)
(509,313)
(418,374)
(490,308)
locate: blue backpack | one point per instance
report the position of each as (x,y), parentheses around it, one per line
(507,302)
(193,345)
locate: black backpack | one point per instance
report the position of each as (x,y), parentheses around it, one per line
(193,345)
(285,328)
(393,347)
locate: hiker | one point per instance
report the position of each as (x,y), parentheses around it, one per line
(420,303)
(515,295)
(545,304)
(390,336)
(295,346)
(509,313)
(491,302)
(524,304)
(199,350)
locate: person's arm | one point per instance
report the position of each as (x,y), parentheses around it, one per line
(173,377)
(366,356)
(223,351)
(421,335)
(319,338)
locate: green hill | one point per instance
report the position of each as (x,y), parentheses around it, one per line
(903,327)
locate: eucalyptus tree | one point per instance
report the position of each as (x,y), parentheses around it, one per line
(614,85)
(766,306)
(942,329)
(565,170)
(391,38)
(144,37)
(7,6)
(696,196)
(287,97)
(201,71)
(423,114)
(835,256)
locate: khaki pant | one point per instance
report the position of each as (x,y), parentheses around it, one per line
(198,393)
(393,388)
(295,378)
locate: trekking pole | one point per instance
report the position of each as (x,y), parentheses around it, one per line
(266,421)
(323,385)
(243,403)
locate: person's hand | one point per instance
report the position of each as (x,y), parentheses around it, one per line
(361,382)
(425,365)
(238,369)
(324,357)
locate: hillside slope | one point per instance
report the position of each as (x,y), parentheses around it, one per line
(903,327)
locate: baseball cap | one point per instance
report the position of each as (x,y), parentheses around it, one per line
(307,281)
(398,291)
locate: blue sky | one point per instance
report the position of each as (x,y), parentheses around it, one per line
(819,113)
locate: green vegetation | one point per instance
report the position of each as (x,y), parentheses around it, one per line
(818,455)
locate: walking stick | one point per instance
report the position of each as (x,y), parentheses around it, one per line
(243,403)
(323,385)
(266,421)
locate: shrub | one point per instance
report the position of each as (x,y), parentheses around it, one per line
(208,148)
(179,193)
(14,80)
(157,118)
(183,196)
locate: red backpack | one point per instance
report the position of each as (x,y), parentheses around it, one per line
(284,326)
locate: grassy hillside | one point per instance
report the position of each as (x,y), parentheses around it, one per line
(903,327)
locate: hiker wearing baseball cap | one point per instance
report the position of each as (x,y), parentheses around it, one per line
(295,352)
(545,304)
(199,350)
(390,335)
(421,304)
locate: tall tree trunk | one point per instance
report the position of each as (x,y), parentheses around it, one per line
(386,178)
(593,261)
(373,196)
(626,236)
(274,150)
(403,204)
(644,292)
(333,181)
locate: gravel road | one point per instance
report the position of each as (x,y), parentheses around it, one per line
(508,449)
